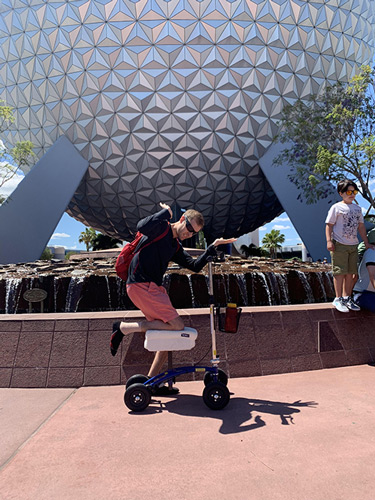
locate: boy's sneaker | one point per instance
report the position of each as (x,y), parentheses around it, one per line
(350,304)
(340,305)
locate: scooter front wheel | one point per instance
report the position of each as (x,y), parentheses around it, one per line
(137,397)
(221,377)
(216,395)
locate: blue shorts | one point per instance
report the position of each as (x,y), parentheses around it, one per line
(366,300)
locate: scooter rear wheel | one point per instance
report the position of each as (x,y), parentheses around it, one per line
(136,379)
(137,397)
(216,395)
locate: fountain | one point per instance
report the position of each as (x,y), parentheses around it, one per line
(92,285)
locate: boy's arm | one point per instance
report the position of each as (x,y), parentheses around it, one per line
(363,235)
(330,244)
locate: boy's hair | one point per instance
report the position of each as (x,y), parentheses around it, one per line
(194,214)
(343,185)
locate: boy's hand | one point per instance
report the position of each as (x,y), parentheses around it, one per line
(330,246)
(165,206)
(368,245)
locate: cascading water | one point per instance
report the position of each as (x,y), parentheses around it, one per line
(242,287)
(55,283)
(283,287)
(12,295)
(74,293)
(266,287)
(306,286)
(328,279)
(319,275)
(109,293)
(193,301)
(101,291)
(167,281)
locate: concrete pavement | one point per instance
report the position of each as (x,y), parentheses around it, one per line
(307,435)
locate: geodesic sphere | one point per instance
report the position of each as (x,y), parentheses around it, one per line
(172,101)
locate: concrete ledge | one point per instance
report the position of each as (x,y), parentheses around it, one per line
(72,349)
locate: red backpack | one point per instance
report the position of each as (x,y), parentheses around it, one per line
(127,253)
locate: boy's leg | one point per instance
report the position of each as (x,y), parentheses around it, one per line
(338,282)
(349,282)
(351,278)
(340,260)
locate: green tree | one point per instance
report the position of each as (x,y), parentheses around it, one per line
(104,242)
(251,250)
(272,241)
(332,137)
(69,254)
(11,159)
(200,240)
(46,254)
(87,237)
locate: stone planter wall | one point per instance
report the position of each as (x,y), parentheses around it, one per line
(72,349)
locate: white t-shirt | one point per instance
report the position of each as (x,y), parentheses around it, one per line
(364,282)
(346,218)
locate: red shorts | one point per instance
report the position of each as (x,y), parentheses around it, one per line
(152,300)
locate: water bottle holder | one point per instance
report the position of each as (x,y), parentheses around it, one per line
(220,320)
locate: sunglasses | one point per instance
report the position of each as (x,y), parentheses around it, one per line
(189,227)
(350,192)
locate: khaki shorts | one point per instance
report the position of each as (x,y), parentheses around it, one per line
(344,259)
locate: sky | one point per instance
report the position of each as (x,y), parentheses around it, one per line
(68,229)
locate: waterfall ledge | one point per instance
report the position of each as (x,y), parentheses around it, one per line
(71,349)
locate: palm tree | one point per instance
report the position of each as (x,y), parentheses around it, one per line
(272,241)
(87,237)
(104,242)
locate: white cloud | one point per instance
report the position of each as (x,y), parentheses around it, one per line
(59,235)
(263,228)
(11,185)
(63,246)
(282,219)
(279,227)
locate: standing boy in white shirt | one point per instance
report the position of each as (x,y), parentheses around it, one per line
(343,222)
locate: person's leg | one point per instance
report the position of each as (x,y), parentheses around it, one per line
(340,261)
(338,282)
(156,324)
(155,304)
(351,278)
(348,284)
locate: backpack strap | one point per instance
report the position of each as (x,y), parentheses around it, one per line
(164,233)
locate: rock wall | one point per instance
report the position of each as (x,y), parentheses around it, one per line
(72,349)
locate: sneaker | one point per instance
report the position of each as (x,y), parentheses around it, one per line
(340,305)
(350,304)
(116,338)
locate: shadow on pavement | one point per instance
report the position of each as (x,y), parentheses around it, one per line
(235,416)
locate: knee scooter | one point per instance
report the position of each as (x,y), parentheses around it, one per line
(140,388)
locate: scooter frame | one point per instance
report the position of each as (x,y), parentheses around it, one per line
(139,388)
